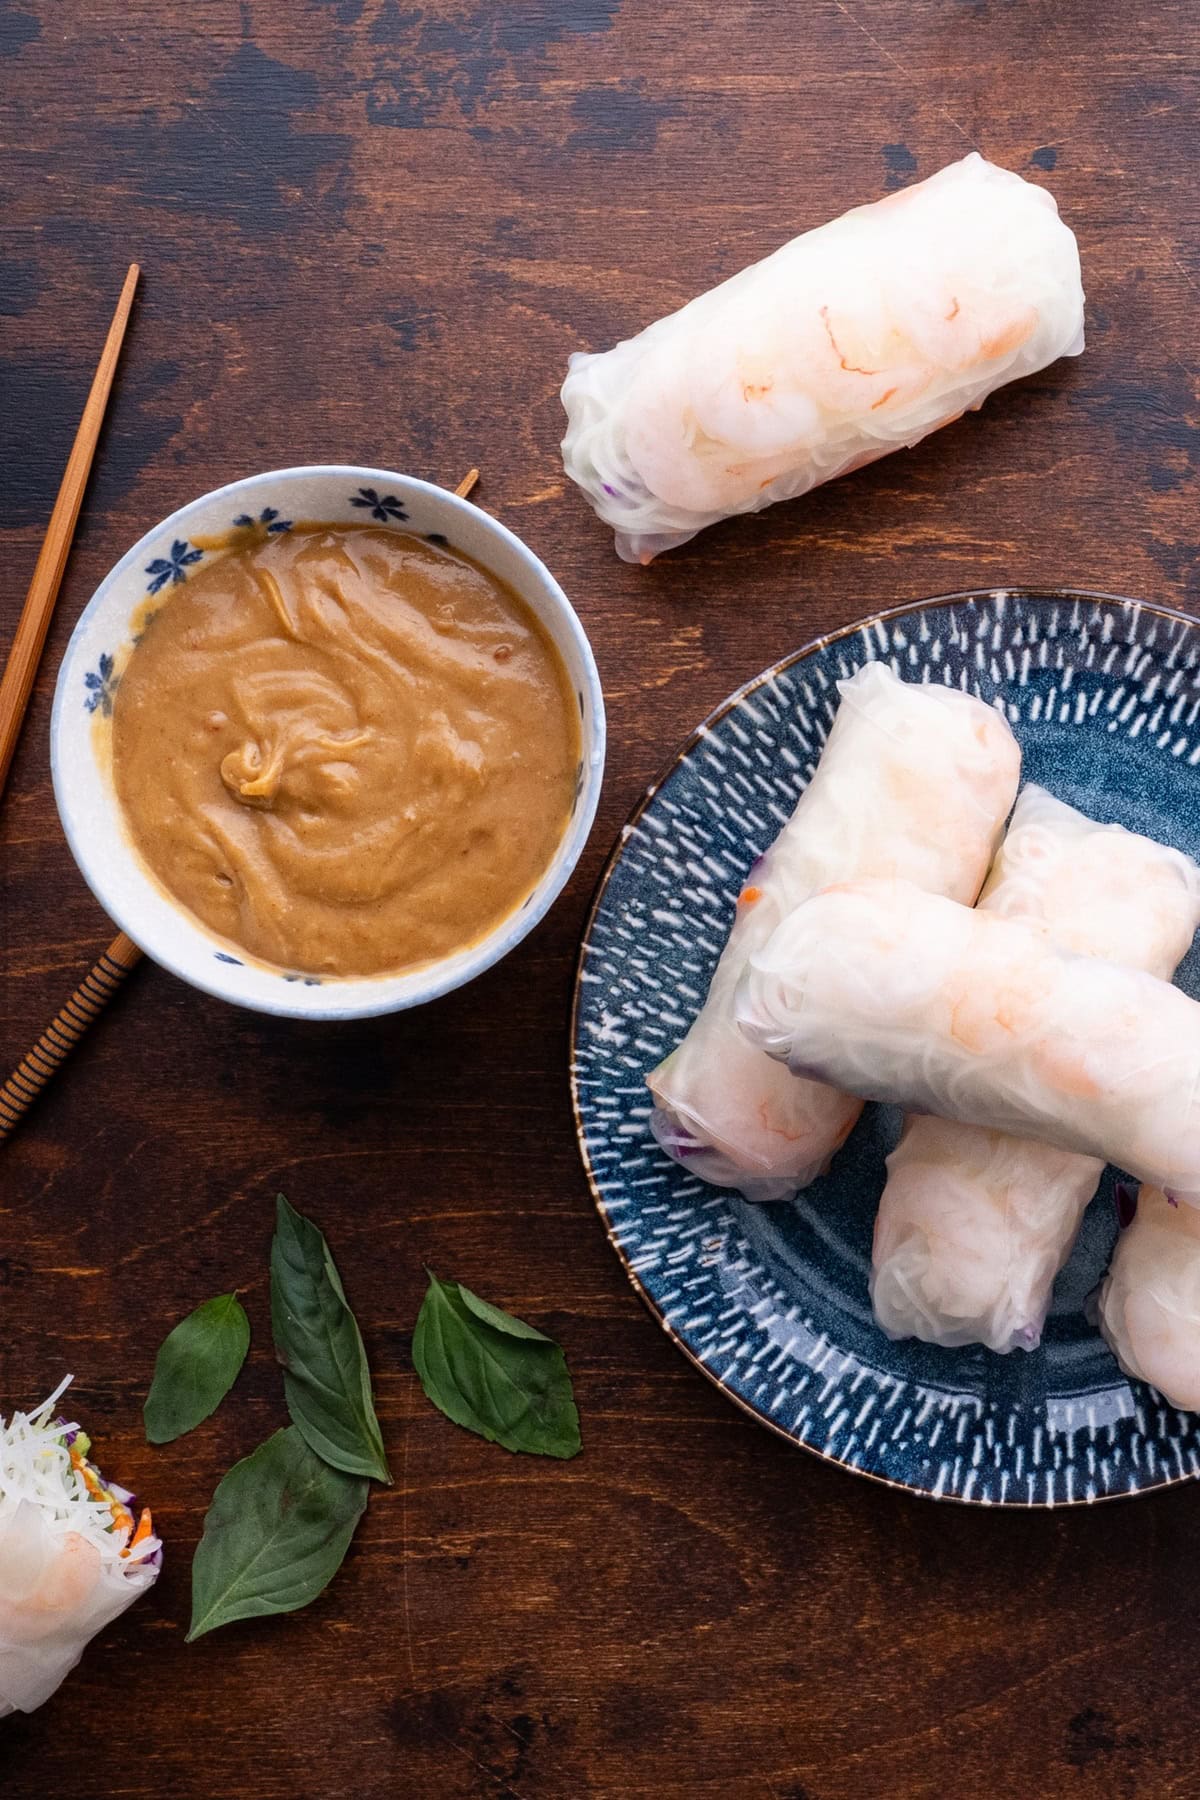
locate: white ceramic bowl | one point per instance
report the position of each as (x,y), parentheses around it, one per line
(87,803)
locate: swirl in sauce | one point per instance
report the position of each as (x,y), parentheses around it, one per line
(346,750)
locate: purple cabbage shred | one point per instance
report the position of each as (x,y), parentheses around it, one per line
(678,1142)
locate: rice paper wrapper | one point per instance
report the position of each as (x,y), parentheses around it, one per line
(915,779)
(855,339)
(1150,1302)
(906,997)
(974,1225)
(57,1591)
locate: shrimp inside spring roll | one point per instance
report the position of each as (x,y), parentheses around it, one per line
(74,1553)
(974,1225)
(1150,1301)
(914,780)
(854,339)
(906,997)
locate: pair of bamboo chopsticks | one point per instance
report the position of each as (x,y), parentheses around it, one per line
(16,686)
(93,994)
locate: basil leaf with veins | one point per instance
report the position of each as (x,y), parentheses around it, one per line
(196,1366)
(326,1380)
(494,1374)
(279,1525)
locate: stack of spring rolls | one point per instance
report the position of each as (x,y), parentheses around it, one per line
(1011,991)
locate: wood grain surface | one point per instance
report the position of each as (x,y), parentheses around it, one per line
(372,231)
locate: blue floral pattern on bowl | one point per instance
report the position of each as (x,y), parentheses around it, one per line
(101,685)
(268,518)
(771,1301)
(382,506)
(170,568)
(257,509)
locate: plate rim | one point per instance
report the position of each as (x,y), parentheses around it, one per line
(1037,592)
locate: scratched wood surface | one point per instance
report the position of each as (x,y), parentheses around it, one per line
(373,231)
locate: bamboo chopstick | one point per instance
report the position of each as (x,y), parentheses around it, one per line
(16,685)
(90,998)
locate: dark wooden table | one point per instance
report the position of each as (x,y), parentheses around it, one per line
(372,232)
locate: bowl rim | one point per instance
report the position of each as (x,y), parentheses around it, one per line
(295,1001)
(1027,591)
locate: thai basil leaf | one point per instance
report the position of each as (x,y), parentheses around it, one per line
(492,1315)
(326,1380)
(494,1374)
(196,1367)
(278,1527)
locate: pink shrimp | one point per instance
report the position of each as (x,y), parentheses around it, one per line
(43,1581)
(1150,1303)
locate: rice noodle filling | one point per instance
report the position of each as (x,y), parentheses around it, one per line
(72,1554)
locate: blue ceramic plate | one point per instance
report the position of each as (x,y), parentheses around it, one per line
(771,1301)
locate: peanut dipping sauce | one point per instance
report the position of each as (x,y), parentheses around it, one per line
(346,750)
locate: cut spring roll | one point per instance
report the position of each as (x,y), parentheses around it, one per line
(914,780)
(974,1225)
(860,337)
(902,996)
(72,1554)
(1150,1301)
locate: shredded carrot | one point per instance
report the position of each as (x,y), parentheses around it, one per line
(91,1481)
(145,1526)
(749,895)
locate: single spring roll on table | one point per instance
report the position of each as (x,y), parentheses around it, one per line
(974,1225)
(914,780)
(72,1555)
(860,337)
(1150,1301)
(903,996)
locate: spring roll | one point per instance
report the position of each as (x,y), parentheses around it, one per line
(974,1225)
(860,337)
(915,780)
(902,996)
(72,1554)
(1150,1300)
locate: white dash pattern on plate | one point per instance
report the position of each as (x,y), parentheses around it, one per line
(771,1302)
